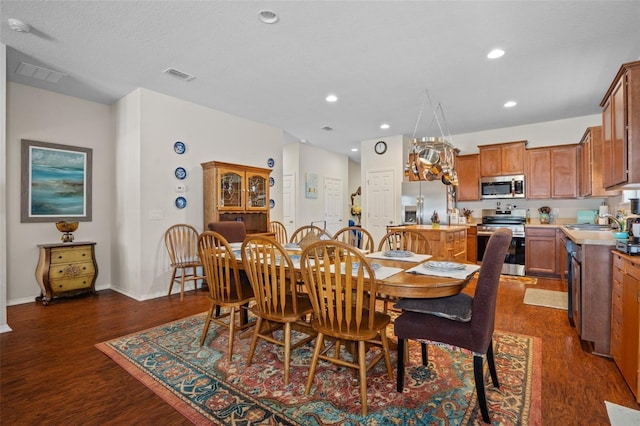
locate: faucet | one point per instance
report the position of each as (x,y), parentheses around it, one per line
(615,219)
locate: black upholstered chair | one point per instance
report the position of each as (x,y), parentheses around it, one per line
(461,320)
(232,231)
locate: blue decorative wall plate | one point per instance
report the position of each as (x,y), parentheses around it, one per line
(179,147)
(272,181)
(272,203)
(181,173)
(181,202)
(271,162)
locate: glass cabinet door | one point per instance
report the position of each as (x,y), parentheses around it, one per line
(230,190)
(256,191)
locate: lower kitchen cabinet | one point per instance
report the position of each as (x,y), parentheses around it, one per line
(472,244)
(625,319)
(66,269)
(448,242)
(541,253)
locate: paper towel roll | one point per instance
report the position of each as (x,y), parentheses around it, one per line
(603,210)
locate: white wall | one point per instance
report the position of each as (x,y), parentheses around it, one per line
(45,116)
(392,159)
(3,192)
(559,132)
(150,124)
(300,159)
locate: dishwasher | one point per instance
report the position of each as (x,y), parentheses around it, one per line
(574,281)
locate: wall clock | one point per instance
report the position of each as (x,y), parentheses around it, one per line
(380,147)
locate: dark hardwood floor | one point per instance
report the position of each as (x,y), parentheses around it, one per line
(51,373)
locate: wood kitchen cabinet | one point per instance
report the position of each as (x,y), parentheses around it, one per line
(449,242)
(472,244)
(236,192)
(625,319)
(468,170)
(621,128)
(502,159)
(590,163)
(591,295)
(541,254)
(552,172)
(66,269)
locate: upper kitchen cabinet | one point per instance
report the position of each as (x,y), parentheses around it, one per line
(468,170)
(552,172)
(502,159)
(590,165)
(621,128)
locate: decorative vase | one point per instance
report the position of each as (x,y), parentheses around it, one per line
(435,225)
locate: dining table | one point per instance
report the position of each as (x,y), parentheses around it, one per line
(406,275)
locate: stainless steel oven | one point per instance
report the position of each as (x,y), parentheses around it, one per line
(514,220)
(502,187)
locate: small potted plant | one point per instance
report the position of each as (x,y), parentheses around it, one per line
(467,215)
(435,220)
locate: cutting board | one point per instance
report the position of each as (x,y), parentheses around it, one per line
(586,216)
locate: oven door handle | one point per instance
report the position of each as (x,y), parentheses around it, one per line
(484,233)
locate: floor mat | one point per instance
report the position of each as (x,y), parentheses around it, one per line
(622,416)
(546,298)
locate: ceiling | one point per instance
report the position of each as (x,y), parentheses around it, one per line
(380,58)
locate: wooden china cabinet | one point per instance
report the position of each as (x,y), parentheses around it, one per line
(234,192)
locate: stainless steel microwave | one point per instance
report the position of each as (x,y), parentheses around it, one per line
(502,187)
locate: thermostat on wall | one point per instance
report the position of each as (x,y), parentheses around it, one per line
(181,187)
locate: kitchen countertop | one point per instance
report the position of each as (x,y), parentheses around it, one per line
(599,238)
(446,228)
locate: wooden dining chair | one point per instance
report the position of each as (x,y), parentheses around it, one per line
(280,231)
(356,236)
(228,288)
(460,320)
(181,241)
(273,279)
(402,240)
(405,240)
(343,309)
(299,234)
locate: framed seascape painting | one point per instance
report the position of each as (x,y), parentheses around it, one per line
(56,182)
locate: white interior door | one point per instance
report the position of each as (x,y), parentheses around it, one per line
(289,202)
(333,204)
(380,199)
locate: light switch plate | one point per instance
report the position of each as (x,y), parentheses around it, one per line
(181,187)
(156,214)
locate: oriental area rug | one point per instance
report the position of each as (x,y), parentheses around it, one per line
(203,386)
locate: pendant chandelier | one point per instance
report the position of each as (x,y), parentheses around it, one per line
(432,158)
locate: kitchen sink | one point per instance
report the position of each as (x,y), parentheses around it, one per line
(587,227)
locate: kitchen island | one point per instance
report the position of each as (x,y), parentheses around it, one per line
(448,242)
(590,286)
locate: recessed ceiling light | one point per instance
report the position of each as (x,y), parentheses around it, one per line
(268,17)
(331,98)
(384,126)
(354,149)
(510,104)
(495,53)
(18,25)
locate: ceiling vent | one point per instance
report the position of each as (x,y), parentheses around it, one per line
(179,74)
(327,128)
(39,73)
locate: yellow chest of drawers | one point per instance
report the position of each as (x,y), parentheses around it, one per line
(66,270)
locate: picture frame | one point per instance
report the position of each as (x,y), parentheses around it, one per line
(311,185)
(56,182)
